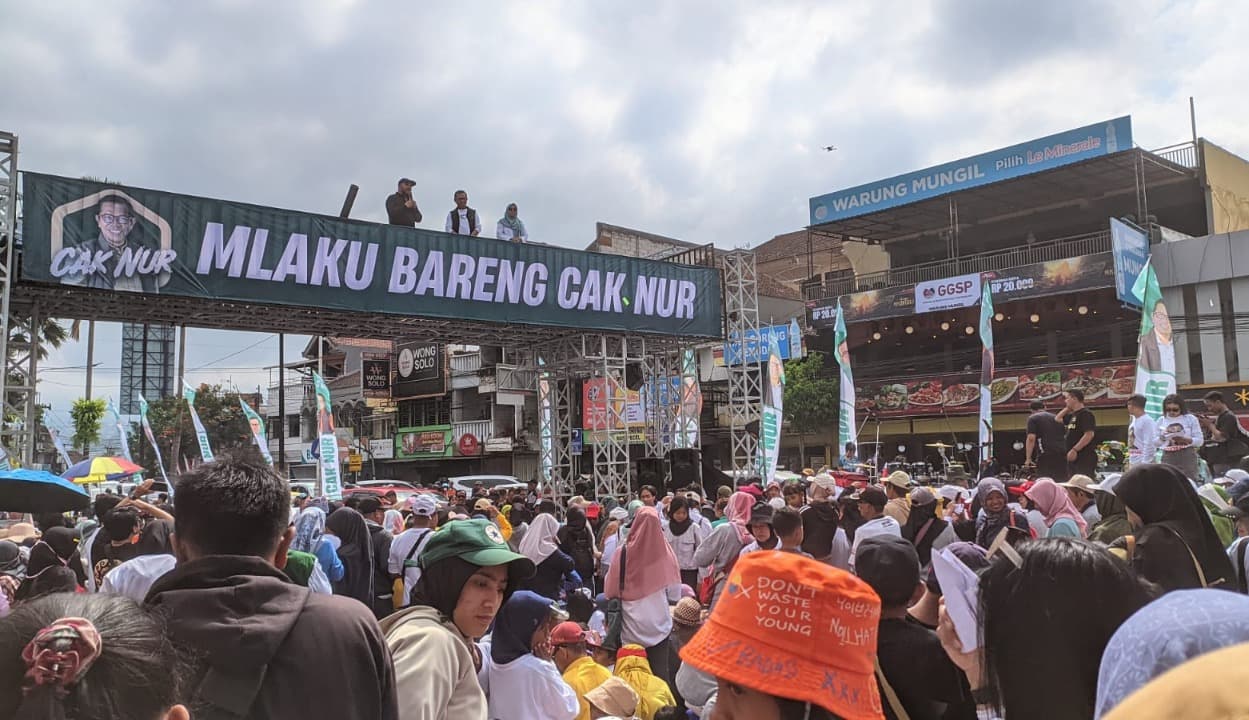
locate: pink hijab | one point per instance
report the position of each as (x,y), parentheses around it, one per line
(1054,504)
(650,565)
(738,513)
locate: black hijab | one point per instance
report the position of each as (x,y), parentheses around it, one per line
(923,515)
(356,552)
(678,528)
(1170,508)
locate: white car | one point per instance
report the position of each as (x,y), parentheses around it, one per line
(465,483)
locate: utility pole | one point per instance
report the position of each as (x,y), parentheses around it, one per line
(282,402)
(90,354)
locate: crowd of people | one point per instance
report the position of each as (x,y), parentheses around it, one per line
(401,209)
(814,598)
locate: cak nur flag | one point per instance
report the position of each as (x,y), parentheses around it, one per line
(845,415)
(770,421)
(986,371)
(151,439)
(257,424)
(331,470)
(201,435)
(1155,353)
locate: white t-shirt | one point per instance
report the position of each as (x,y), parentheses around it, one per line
(399,549)
(648,622)
(529,688)
(1143,433)
(135,577)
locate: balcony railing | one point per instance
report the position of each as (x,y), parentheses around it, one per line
(1058,249)
(466,364)
(483,430)
(1184,154)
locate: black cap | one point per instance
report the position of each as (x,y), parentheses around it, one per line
(872,495)
(761,514)
(409,181)
(890,565)
(369,505)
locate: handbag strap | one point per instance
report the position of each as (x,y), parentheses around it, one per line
(620,580)
(1201,575)
(890,696)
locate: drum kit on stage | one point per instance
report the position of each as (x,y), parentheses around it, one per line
(922,472)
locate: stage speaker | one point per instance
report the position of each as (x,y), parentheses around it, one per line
(650,472)
(684,465)
(634,379)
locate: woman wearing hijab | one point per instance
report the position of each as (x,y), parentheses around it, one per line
(684,535)
(1169,631)
(609,539)
(823,538)
(651,579)
(1061,517)
(54,549)
(467,574)
(725,542)
(356,552)
(310,538)
(925,529)
(1114,523)
(510,228)
(12,570)
(995,515)
(653,691)
(393,522)
(524,682)
(541,545)
(577,542)
(1175,544)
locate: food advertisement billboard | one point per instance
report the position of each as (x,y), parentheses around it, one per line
(1013,389)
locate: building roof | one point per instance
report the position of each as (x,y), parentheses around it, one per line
(1066,185)
(604,228)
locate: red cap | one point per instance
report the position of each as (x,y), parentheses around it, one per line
(567,633)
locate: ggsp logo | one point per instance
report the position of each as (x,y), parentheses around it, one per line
(957,288)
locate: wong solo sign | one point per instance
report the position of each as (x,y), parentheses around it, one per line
(115,238)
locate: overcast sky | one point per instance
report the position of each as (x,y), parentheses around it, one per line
(698,120)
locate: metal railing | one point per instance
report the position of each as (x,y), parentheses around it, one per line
(1184,154)
(1057,249)
(483,430)
(465,364)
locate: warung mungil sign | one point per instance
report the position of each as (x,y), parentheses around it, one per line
(109,237)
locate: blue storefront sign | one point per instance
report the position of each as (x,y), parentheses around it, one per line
(1025,158)
(788,339)
(1130,247)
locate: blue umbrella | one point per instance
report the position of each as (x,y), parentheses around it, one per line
(36,491)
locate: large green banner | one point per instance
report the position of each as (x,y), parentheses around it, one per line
(115,238)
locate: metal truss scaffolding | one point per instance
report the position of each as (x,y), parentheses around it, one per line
(656,369)
(17,426)
(741,312)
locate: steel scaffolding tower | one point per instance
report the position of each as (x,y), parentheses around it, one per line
(147,364)
(17,335)
(741,309)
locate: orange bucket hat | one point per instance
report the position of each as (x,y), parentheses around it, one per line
(788,624)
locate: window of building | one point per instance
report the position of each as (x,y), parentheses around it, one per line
(428,411)
(1227,313)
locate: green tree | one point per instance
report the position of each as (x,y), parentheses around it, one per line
(810,398)
(87,416)
(171,424)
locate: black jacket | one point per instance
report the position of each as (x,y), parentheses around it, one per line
(380,539)
(548,578)
(267,648)
(399,214)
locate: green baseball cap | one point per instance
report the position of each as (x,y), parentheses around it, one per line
(478,542)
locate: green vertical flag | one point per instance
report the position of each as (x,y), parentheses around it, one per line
(201,435)
(986,370)
(771,417)
(151,438)
(1155,354)
(257,424)
(845,416)
(327,443)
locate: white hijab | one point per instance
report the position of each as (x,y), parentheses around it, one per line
(540,541)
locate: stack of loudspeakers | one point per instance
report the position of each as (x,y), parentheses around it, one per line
(684,464)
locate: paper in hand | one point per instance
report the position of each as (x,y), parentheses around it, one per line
(961,589)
